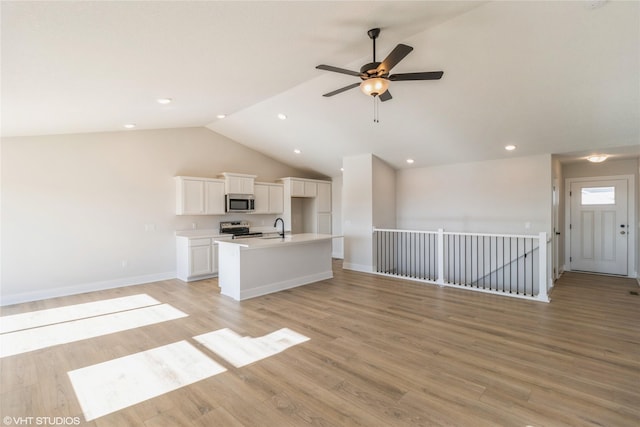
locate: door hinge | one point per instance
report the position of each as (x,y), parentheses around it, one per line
(570,193)
(570,259)
(569,226)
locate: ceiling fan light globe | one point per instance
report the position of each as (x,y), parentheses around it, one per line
(375,86)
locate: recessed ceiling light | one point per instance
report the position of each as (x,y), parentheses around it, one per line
(164,101)
(282,116)
(221,116)
(297,151)
(597,158)
(410,161)
(130,125)
(341,169)
(510,147)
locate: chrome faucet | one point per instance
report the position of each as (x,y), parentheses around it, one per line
(275,224)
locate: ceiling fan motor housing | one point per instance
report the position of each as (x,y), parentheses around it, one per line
(371,70)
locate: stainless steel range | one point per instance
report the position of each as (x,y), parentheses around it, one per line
(239,229)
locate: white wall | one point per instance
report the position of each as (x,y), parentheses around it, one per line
(368,200)
(499,196)
(357,211)
(74,207)
(336,217)
(384,194)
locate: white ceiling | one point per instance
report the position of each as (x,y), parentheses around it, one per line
(549,77)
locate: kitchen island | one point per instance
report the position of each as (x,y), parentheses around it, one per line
(252,267)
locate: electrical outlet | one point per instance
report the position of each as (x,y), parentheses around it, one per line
(125,263)
(194,226)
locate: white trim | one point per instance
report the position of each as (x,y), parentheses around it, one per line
(83,288)
(459,233)
(286,284)
(357,267)
(631,219)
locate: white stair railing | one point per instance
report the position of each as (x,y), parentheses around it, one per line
(504,264)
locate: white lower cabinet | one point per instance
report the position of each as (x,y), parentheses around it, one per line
(197,258)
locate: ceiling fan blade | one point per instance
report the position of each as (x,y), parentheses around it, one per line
(427,75)
(337,91)
(338,70)
(385,96)
(396,55)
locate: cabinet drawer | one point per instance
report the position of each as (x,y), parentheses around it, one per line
(199,242)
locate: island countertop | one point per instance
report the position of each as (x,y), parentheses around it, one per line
(277,241)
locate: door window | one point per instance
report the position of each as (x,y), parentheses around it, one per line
(598,196)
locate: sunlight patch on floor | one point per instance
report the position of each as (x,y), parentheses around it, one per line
(241,351)
(50,316)
(119,383)
(61,333)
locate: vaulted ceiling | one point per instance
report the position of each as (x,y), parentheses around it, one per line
(549,77)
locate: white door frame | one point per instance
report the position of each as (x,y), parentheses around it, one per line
(631,216)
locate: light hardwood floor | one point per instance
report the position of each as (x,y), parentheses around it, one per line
(382,352)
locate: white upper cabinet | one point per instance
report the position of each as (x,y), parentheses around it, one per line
(269,198)
(323,200)
(214,197)
(199,196)
(303,188)
(237,183)
(276,199)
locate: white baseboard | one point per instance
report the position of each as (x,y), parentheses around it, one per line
(83,288)
(357,267)
(287,284)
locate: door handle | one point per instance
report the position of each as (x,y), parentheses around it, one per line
(623,232)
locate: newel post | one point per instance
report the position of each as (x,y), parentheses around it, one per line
(542,273)
(440,254)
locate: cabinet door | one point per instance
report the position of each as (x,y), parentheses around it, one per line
(214,258)
(247,185)
(214,197)
(323,202)
(234,185)
(310,189)
(239,185)
(276,199)
(261,194)
(324,223)
(200,260)
(297,188)
(192,197)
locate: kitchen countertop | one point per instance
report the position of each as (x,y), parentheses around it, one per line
(290,239)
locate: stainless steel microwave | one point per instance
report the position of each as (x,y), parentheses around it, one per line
(239,203)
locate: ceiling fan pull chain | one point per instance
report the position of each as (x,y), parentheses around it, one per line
(376,110)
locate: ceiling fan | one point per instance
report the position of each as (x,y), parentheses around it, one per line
(375,75)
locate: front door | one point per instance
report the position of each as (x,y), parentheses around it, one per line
(599,226)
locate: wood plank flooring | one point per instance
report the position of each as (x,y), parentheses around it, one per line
(382,352)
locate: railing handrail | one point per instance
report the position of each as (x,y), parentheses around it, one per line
(459,233)
(405,231)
